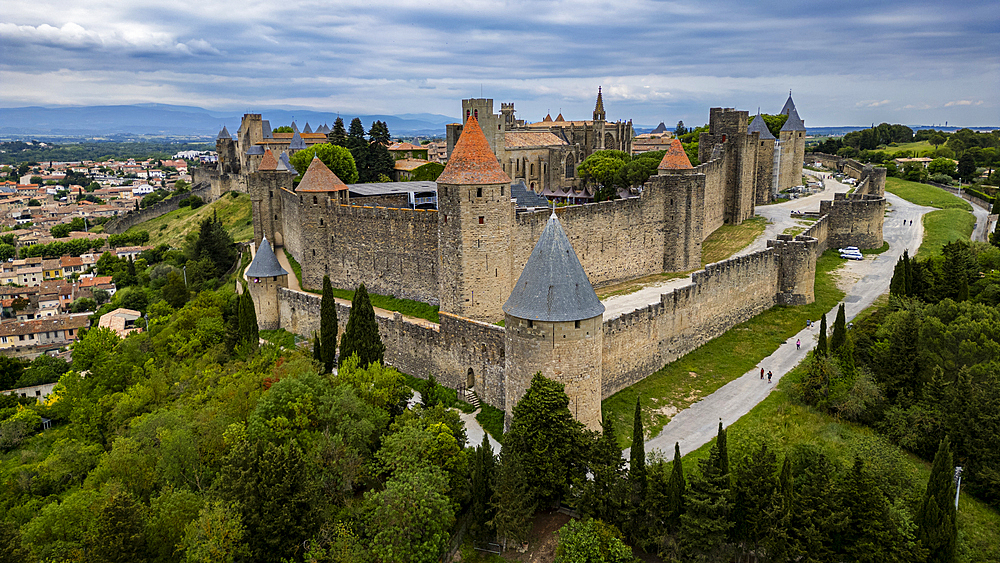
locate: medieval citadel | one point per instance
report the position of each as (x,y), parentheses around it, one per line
(493,251)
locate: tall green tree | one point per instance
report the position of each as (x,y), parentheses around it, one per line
(936,520)
(411,518)
(174,292)
(839,330)
(754,499)
(361,335)
(337,158)
(119,534)
(814,509)
(637,456)
(248,333)
(706,522)
(513,502)
(338,135)
(547,439)
(604,497)
(482,487)
(821,348)
(678,489)
(328,326)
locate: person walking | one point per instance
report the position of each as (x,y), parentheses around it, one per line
(798,343)
(768,376)
(762,374)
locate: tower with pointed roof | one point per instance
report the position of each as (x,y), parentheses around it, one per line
(475,221)
(554,325)
(790,147)
(225,147)
(264,277)
(265,186)
(319,190)
(765,181)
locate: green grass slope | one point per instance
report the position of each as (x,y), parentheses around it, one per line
(171,228)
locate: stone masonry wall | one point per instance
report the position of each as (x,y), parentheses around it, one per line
(854,220)
(416,347)
(721,296)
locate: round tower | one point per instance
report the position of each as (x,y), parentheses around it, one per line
(265,275)
(554,325)
(475,219)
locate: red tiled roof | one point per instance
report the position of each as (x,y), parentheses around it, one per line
(268,162)
(472,161)
(676,158)
(319,178)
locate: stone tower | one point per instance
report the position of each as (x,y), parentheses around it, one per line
(554,325)
(265,186)
(318,191)
(599,118)
(491,124)
(265,276)
(475,220)
(764,178)
(225,146)
(791,147)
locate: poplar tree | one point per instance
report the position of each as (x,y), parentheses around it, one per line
(637,457)
(247,320)
(839,330)
(328,326)
(361,336)
(936,527)
(899,283)
(821,346)
(513,504)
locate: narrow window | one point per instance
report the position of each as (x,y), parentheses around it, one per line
(315,201)
(481,218)
(321,222)
(501,191)
(479,192)
(577,324)
(314,252)
(270,193)
(275,217)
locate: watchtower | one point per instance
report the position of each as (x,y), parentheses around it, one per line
(475,219)
(319,190)
(265,186)
(266,276)
(554,325)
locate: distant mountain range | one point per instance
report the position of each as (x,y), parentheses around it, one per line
(170,120)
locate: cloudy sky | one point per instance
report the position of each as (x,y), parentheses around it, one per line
(847,62)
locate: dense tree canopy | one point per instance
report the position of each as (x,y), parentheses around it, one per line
(338,159)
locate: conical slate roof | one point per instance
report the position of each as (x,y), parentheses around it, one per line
(224,134)
(307,129)
(297,143)
(758,125)
(295,128)
(661,128)
(525,197)
(265,263)
(789,105)
(675,158)
(553,286)
(324,129)
(268,163)
(319,178)
(793,123)
(265,127)
(472,161)
(284,164)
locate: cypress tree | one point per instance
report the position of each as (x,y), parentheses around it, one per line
(936,527)
(754,497)
(328,326)
(338,135)
(839,330)
(605,496)
(513,504)
(247,320)
(429,397)
(908,268)
(821,346)
(705,523)
(482,484)
(678,488)
(723,459)
(317,349)
(898,284)
(996,229)
(361,336)
(637,456)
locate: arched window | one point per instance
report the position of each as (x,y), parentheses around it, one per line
(570,166)
(470,379)
(609,141)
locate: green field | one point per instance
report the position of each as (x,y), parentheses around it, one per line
(925,194)
(701,372)
(171,228)
(944,226)
(782,422)
(919,147)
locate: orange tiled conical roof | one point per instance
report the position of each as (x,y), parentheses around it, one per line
(268,163)
(319,178)
(472,161)
(676,158)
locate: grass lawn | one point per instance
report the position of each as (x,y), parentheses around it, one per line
(407,307)
(701,372)
(925,194)
(781,422)
(943,226)
(491,419)
(234,212)
(919,147)
(730,239)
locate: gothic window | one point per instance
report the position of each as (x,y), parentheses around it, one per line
(570,166)
(609,141)
(476,113)
(532,169)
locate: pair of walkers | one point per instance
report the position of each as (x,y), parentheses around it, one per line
(769,374)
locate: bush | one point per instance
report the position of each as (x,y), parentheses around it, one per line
(583,541)
(941,179)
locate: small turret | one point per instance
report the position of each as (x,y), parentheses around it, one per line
(265,276)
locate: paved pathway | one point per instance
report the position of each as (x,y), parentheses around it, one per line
(698,424)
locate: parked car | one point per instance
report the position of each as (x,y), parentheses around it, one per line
(850,250)
(852,256)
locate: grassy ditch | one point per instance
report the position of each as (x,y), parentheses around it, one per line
(408,307)
(701,372)
(925,194)
(730,239)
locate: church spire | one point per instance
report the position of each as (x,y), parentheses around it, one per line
(599,108)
